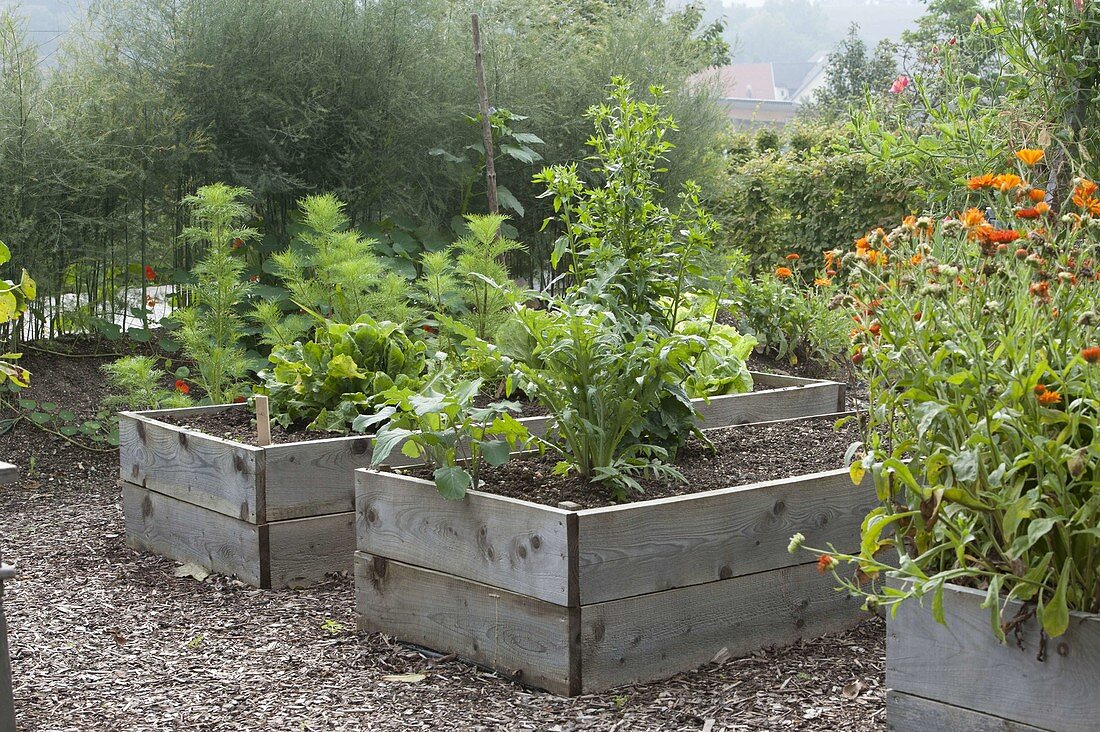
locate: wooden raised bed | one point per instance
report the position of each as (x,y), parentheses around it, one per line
(8,474)
(578,601)
(283,515)
(960,678)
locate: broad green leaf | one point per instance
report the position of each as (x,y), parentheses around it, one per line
(1055,615)
(495,452)
(857,471)
(452,482)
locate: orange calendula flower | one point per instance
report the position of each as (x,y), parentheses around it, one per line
(1050,397)
(826,562)
(1005,182)
(822,281)
(1091,354)
(1037,194)
(980,181)
(182,387)
(973,217)
(1030,156)
(916,259)
(1085,188)
(792,257)
(1029,213)
(1040,388)
(783,273)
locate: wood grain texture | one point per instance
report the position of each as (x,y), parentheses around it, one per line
(905,713)
(816,397)
(963,665)
(184,412)
(206,471)
(654,636)
(8,473)
(315,478)
(188,533)
(514,545)
(665,543)
(524,638)
(303,551)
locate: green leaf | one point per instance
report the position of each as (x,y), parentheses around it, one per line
(509,201)
(452,482)
(40,417)
(5,253)
(1055,615)
(495,452)
(937,604)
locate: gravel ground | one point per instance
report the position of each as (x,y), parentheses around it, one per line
(107,639)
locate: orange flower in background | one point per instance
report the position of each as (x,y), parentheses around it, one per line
(980,181)
(1040,290)
(822,282)
(998,236)
(1085,188)
(973,217)
(916,259)
(182,387)
(783,273)
(1029,213)
(1091,354)
(1029,156)
(1040,388)
(1050,397)
(1005,182)
(792,257)
(1037,194)
(149,273)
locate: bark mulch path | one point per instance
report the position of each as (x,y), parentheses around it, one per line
(106,639)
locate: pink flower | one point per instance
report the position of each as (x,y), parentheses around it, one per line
(899,84)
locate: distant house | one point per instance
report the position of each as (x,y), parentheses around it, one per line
(764,94)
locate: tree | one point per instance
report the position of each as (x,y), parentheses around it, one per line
(851,74)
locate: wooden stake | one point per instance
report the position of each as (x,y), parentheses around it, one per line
(486,123)
(263,422)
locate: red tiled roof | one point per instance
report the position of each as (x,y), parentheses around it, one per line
(741,81)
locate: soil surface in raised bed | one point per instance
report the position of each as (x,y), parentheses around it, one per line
(106,638)
(239,425)
(740,455)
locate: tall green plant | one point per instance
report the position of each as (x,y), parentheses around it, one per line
(211,329)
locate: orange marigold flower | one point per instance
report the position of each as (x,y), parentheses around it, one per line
(875,328)
(1091,354)
(1039,388)
(916,259)
(1085,188)
(182,387)
(822,281)
(1005,182)
(1089,203)
(909,222)
(1037,194)
(1050,397)
(783,273)
(1029,156)
(826,562)
(1040,290)
(792,257)
(1029,213)
(973,217)
(980,181)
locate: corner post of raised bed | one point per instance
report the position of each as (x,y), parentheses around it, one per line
(8,474)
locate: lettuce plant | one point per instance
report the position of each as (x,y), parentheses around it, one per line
(980,342)
(328,382)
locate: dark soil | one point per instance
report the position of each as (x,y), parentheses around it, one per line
(239,425)
(741,455)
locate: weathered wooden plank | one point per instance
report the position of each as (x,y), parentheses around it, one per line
(314,478)
(514,545)
(665,543)
(525,638)
(905,713)
(817,397)
(189,533)
(779,381)
(963,665)
(206,471)
(8,473)
(304,550)
(654,636)
(184,412)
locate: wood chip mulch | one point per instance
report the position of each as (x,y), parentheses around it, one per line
(106,639)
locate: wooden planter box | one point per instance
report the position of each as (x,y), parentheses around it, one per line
(960,678)
(283,515)
(8,474)
(578,601)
